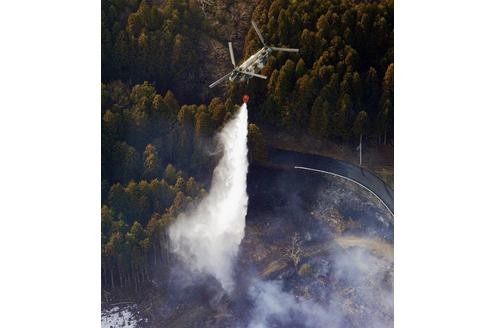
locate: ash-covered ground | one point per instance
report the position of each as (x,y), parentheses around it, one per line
(317,252)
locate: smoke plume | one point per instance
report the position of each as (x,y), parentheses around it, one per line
(281,308)
(363,296)
(207,238)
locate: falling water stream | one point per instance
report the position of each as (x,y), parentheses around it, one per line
(207,238)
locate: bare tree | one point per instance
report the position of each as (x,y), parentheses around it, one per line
(205,3)
(294,251)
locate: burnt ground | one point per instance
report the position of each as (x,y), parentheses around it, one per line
(344,277)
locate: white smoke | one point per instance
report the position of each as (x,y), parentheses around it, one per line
(207,238)
(274,304)
(364,297)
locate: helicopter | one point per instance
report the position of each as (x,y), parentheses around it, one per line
(253,65)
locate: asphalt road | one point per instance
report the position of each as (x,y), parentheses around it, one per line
(366,178)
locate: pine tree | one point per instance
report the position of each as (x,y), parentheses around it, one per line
(388,81)
(323,27)
(170,174)
(360,123)
(203,125)
(192,188)
(372,90)
(126,163)
(171,104)
(256,143)
(283,27)
(218,111)
(152,162)
(319,119)
(285,81)
(134,24)
(180,185)
(341,117)
(300,68)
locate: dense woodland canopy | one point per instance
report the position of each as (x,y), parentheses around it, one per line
(153,41)
(158,138)
(343,74)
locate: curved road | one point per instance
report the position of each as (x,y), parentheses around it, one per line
(362,176)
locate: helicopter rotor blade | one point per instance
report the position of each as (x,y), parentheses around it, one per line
(223,78)
(285,49)
(258,32)
(255,75)
(231,50)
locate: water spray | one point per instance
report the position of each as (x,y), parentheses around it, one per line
(207,238)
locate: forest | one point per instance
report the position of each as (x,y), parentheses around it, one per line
(341,83)
(158,122)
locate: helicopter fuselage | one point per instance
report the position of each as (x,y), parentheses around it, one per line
(253,64)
